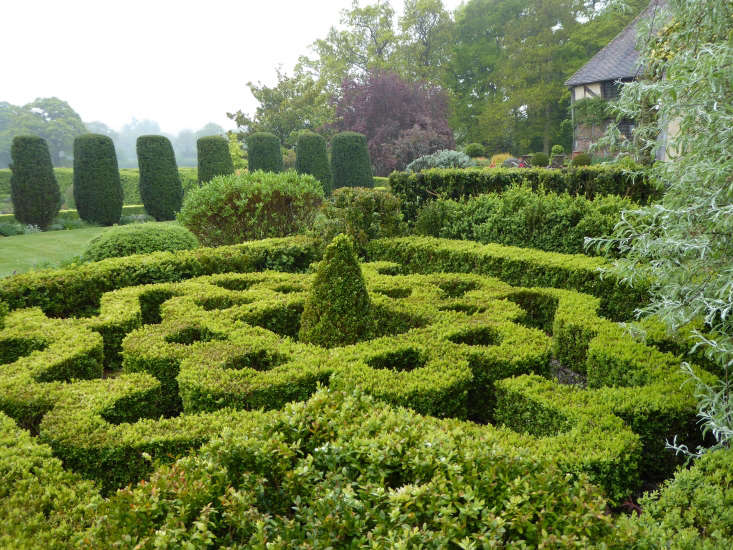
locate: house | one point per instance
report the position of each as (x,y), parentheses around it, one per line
(602,78)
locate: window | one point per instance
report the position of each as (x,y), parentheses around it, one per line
(610,89)
(626,127)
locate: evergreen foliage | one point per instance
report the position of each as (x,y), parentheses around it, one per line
(33,188)
(581,159)
(312,158)
(540,160)
(263,152)
(441,159)
(213,158)
(338,309)
(139,238)
(160,183)
(97,189)
(474,150)
(350,163)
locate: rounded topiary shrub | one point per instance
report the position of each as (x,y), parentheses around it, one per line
(263,152)
(256,205)
(97,188)
(142,238)
(540,160)
(350,163)
(214,158)
(581,159)
(557,150)
(337,311)
(33,188)
(160,183)
(311,158)
(474,150)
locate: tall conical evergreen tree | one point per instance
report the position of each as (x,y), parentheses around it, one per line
(33,188)
(338,309)
(350,163)
(160,183)
(214,158)
(311,158)
(97,188)
(263,152)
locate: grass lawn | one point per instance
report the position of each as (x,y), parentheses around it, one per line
(24,252)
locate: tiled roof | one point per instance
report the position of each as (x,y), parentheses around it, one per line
(619,58)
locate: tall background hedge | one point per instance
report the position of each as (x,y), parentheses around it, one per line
(33,188)
(311,157)
(264,153)
(350,163)
(97,188)
(160,184)
(213,158)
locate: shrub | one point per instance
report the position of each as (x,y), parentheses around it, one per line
(350,163)
(213,158)
(416,189)
(312,158)
(3,313)
(34,191)
(474,150)
(540,160)
(557,150)
(160,184)
(138,239)
(499,158)
(521,217)
(441,159)
(338,310)
(256,205)
(362,214)
(97,188)
(581,159)
(263,150)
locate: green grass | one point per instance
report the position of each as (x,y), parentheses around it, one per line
(38,250)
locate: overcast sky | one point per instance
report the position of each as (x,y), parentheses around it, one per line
(181,63)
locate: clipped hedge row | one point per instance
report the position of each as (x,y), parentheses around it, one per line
(68,215)
(76,290)
(416,189)
(516,266)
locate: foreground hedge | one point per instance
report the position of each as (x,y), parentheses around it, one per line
(344,471)
(516,266)
(416,189)
(78,289)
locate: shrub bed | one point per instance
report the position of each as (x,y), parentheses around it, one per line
(521,217)
(415,189)
(255,205)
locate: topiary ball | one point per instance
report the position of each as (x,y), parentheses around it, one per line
(338,309)
(557,150)
(474,150)
(138,239)
(263,152)
(581,159)
(540,160)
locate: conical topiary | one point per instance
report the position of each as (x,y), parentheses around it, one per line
(214,158)
(350,163)
(33,188)
(97,188)
(311,157)
(263,152)
(338,310)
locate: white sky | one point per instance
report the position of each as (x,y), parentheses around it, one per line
(181,63)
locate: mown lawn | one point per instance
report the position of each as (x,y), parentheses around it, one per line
(24,252)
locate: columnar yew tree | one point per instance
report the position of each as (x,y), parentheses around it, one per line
(213,158)
(33,188)
(350,162)
(263,152)
(684,244)
(160,183)
(311,158)
(97,188)
(338,310)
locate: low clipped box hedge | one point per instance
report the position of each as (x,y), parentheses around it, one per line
(255,205)
(417,189)
(263,152)
(138,239)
